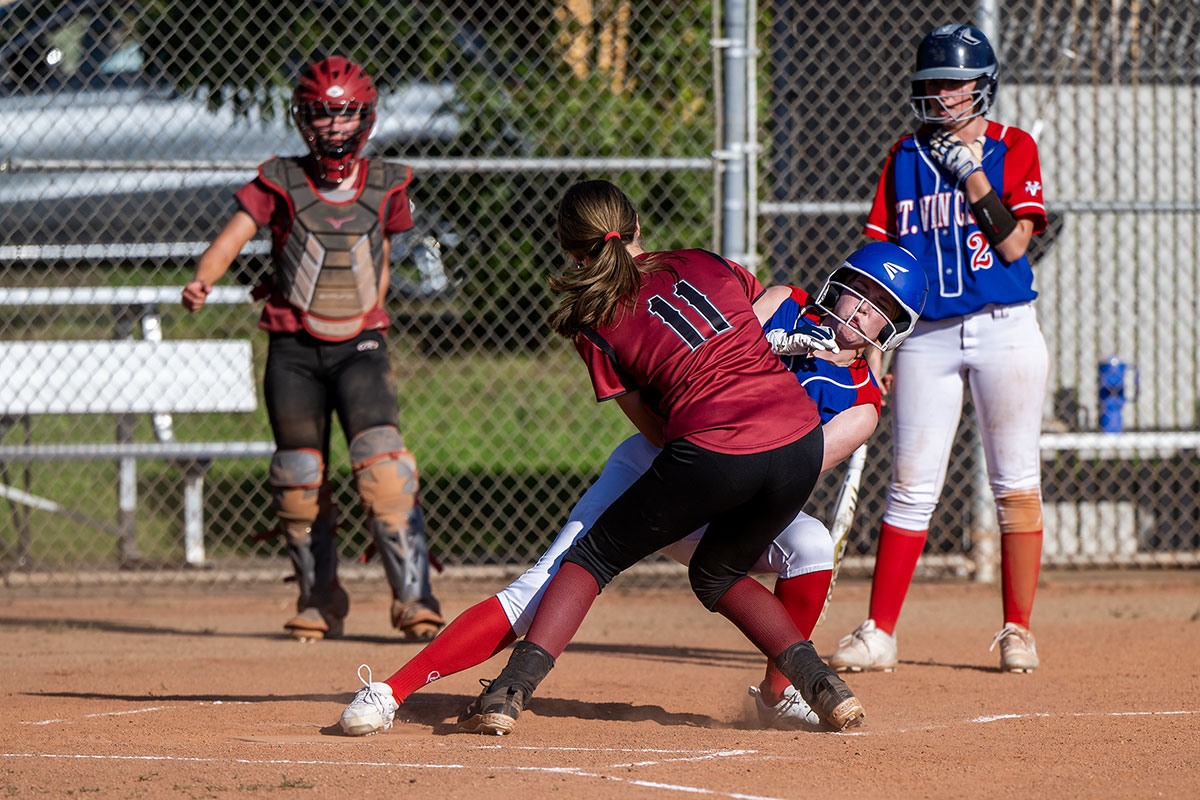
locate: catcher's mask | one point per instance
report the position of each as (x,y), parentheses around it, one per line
(334,109)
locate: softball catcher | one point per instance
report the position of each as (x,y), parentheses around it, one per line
(964,194)
(331,215)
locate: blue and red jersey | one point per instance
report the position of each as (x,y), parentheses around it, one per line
(921,207)
(692,345)
(832,387)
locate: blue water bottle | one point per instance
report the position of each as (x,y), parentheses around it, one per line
(1111,380)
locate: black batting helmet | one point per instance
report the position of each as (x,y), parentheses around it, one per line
(954,53)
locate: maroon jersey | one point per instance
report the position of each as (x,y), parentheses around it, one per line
(694,348)
(267,206)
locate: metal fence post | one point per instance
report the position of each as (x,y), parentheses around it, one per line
(127,545)
(733,147)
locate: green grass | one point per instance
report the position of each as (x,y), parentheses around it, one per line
(506,442)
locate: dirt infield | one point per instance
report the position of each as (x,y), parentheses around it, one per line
(196,694)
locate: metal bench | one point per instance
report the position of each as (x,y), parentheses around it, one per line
(124,377)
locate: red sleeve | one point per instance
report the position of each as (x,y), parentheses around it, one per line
(1023,178)
(602,368)
(800,296)
(399,213)
(257,200)
(868,389)
(881,221)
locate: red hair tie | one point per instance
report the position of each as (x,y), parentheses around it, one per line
(611,234)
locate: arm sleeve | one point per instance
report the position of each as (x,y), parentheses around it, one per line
(1023,179)
(881,221)
(608,381)
(257,200)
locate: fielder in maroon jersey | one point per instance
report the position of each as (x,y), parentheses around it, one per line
(673,338)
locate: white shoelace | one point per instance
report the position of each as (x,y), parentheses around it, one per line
(858,633)
(367,694)
(1011,630)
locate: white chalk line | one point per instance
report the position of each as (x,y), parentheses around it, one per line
(131,711)
(573,771)
(1003,717)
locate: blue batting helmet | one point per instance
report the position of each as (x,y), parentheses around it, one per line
(954,53)
(897,272)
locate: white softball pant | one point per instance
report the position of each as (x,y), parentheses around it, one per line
(804,546)
(1000,353)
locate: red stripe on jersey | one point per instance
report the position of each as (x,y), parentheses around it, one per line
(1022,174)
(868,391)
(882,222)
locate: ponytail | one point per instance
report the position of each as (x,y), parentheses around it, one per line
(595,219)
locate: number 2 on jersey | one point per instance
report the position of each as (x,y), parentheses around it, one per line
(675,319)
(981,254)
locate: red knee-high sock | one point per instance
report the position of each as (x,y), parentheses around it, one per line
(899,550)
(473,637)
(803,597)
(759,614)
(1020,562)
(568,597)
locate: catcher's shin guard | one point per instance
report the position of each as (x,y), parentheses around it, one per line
(323,604)
(308,519)
(821,688)
(416,613)
(497,707)
(386,475)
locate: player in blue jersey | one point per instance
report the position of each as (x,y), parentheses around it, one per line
(873,299)
(963,194)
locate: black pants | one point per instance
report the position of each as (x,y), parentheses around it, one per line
(307,379)
(747,500)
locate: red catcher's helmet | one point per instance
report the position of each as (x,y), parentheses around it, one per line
(334,108)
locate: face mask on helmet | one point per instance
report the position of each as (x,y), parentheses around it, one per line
(334,109)
(844,298)
(884,280)
(954,53)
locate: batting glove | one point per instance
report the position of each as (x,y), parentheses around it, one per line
(956,156)
(802,340)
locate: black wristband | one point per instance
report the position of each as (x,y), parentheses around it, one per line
(996,221)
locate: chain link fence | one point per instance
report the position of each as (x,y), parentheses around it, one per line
(128,125)
(1109,92)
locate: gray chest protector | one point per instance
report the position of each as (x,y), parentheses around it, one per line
(331,261)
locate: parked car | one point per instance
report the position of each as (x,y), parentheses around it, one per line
(76,85)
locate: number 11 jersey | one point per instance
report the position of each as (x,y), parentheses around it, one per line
(692,345)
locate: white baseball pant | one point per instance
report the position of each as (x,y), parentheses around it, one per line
(1000,353)
(804,546)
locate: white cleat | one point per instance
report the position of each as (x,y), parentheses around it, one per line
(791,713)
(1017,650)
(372,708)
(865,649)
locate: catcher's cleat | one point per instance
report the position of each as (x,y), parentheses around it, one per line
(866,648)
(497,707)
(1017,650)
(320,622)
(372,708)
(791,713)
(417,619)
(827,694)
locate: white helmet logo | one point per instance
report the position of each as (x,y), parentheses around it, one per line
(335,91)
(892,269)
